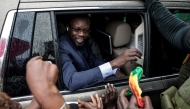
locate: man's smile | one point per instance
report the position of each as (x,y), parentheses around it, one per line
(80,40)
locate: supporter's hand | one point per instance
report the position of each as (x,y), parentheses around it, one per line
(34,104)
(110,99)
(13,105)
(126,56)
(40,73)
(134,105)
(122,102)
(95,104)
(41,77)
(6,103)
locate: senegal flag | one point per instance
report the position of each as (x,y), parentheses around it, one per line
(134,79)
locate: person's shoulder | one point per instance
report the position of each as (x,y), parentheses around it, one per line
(89,40)
(62,37)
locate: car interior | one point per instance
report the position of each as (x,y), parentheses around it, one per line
(111,34)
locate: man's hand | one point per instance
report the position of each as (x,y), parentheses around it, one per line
(126,56)
(41,77)
(110,99)
(95,104)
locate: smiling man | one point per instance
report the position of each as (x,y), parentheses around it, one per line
(80,67)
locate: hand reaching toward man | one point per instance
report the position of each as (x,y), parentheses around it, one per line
(123,103)
(7,103)
(95,104)
(110,99)
(41,77)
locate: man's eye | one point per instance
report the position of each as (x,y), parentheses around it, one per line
(86,31)
(76,30)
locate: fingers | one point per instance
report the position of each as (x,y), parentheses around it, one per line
(148,103)
(93,99)
(32,60)
(133,102)
(123,92)
(16,105)
(118,103)
(11,104)
(36,58)
(83,104)
(99,101)
(4,96)
(137,51)
(101,104)
(134,53)
(111,91)
(108,89)
(96,103)
(122,101)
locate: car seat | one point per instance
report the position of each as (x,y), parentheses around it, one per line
(139,41)
(121,35)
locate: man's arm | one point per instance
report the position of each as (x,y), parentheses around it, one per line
(74,79)
(176,31)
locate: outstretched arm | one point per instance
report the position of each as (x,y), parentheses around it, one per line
(176,31)
(41,77)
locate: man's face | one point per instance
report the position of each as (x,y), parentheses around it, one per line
(79,29)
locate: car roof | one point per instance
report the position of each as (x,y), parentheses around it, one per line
(75,3)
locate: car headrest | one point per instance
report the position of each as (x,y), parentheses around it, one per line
(120,32)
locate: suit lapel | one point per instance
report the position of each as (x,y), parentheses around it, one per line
(77,52)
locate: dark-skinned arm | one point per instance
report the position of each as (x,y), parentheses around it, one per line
(176,31)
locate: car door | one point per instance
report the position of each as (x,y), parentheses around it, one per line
(32,34)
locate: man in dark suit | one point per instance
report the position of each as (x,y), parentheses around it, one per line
(80,67)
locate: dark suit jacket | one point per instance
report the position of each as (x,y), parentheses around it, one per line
(79,66)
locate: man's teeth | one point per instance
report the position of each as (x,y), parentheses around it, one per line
(79,40)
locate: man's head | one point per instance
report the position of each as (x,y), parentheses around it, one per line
(78,29)
(134,20)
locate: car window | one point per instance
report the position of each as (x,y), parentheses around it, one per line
(32,35)
(101,38)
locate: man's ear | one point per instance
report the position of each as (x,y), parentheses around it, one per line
(67,27)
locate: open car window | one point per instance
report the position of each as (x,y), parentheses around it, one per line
(103,45)
(37,33)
